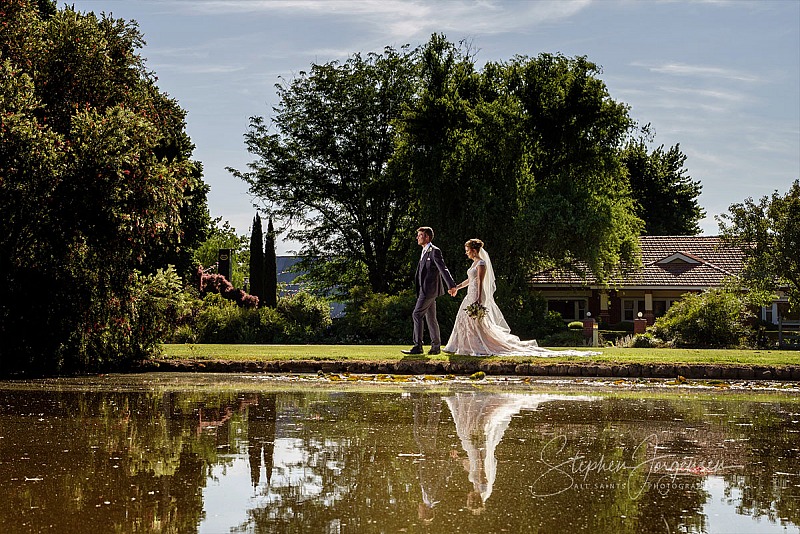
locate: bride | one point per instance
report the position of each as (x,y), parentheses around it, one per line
(490,334)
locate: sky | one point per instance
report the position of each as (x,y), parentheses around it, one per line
(720,78)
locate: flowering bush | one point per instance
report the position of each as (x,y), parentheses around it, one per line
(217,283)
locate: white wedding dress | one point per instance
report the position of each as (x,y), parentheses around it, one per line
(491,335)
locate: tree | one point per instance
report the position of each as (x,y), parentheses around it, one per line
(257,272)
(270,268)
(666,197)
(769,233)
(524,155)
(329,167)
(95,181)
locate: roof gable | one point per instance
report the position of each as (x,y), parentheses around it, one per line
(679,258)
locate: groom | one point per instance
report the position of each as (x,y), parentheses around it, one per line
(428,281)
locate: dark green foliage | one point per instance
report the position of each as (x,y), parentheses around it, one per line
(712,319)
(222,321)
(525,156)
(645,341)
(377,317)
(330,167)
(527,314)
(96,186)
(257,272)
(666,197)
(769,233)
(300,318)
(270,269)
(566,338)
(159,305)
(311,313)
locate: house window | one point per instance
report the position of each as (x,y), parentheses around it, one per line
(767,314)
(660,307)
(570,310)
(631,309)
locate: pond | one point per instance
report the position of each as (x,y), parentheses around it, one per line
(252,453)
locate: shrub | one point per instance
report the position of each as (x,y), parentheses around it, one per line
(273,327)
(159,304)
(645,341)
(299,318)
(715,318)
(527,314)
(378,318)
(567,338)
(185,333)
(221,321)
(624,326)
(311,314)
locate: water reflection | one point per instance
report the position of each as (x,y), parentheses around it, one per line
(163,455)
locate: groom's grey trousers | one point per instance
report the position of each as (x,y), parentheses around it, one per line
(426,310)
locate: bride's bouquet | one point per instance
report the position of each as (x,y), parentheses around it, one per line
(476,311)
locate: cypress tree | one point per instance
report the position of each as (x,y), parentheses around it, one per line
(270,268)
(257,261)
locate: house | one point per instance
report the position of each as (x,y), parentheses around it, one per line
(672,266)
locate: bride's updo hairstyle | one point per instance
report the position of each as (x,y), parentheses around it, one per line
(474,244)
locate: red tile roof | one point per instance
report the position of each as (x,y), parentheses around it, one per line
(715,263)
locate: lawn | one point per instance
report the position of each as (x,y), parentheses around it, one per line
(390,353)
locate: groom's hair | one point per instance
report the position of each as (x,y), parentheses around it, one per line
(427,230)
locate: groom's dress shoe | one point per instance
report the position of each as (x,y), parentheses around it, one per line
(434,352)
(415,350)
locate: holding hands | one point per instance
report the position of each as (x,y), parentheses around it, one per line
(453,290)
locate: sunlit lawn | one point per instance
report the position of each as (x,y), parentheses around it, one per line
(388,353)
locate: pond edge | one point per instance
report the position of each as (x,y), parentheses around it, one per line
(421,367)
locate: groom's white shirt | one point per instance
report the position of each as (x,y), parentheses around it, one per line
(425,249)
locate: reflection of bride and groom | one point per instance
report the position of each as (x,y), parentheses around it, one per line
(473,336)
(481,419)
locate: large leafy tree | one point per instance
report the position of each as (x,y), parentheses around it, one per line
(326,166)
(666,196)
(524,155)
(95,183)
(769,232)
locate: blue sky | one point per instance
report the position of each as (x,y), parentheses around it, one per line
(722,78)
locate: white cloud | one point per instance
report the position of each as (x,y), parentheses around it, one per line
(402,19)
(698,71)
(713,94)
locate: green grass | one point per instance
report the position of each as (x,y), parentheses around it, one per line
(389,353)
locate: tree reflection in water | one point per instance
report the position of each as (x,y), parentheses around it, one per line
(317,459)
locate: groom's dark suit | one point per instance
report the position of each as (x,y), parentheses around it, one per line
(432,275)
